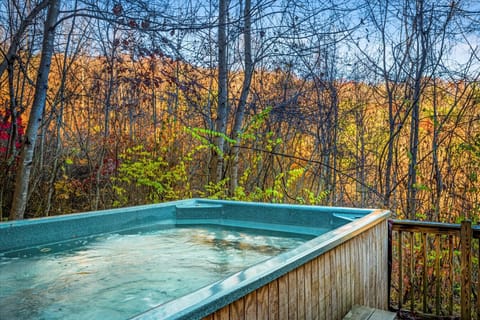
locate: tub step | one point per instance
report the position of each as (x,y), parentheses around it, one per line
(199,211)
(366,313)
(194,206)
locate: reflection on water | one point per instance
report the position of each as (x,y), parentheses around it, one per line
(240,241)
(115,276)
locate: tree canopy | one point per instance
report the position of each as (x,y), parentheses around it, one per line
(368,103)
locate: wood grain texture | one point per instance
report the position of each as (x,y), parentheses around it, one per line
(322,289)
(251,303)
(273,301)
(237,309)
(262,303)
(283,297)
(308,291)
(301,292)
(292,295)
(327,287)
(315,294)
(222,314)
(366,313)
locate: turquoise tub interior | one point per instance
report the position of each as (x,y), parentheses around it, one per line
(318,228)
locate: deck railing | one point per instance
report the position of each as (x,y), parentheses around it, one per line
(434,269)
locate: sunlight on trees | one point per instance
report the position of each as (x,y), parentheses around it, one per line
(366,103)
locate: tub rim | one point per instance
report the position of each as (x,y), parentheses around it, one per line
(217,295)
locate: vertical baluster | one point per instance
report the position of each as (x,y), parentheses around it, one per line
(411,273)
(390,263)
(424,240)
(450,274)
(478,280)
(400,270)
(438,277)
(466,269)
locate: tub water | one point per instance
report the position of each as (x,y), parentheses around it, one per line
(119,275)
(178,260)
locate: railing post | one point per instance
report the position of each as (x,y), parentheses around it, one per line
(466,269)
(478,272)
(389,265)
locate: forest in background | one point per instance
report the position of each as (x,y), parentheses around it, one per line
(366,104)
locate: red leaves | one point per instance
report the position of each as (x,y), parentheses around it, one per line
(132,23)
(6,132)
(109,167)
(145,24)
(4,135)
(117,9)
(127,19)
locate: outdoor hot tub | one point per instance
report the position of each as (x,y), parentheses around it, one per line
(195,259)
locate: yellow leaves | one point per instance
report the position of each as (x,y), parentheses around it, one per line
(66,188)
(293,176)
(151,176)
(312,198)
(216,190)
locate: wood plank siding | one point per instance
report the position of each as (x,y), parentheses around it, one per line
(327,287)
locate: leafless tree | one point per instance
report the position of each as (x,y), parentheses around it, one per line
(36,113)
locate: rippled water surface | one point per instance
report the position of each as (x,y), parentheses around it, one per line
(116,276)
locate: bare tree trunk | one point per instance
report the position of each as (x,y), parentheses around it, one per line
(437,173)
(421,52)
(221,120)
(360,154)
(334,140)
(391,141)
(106,130)
(35,119)
(59,122)
(247,79)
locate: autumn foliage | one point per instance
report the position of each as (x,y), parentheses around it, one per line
(11,132)
(125,131)
(346,105)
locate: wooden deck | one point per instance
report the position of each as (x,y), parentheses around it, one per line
(366,313)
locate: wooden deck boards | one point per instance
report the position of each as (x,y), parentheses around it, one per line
(366,313)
